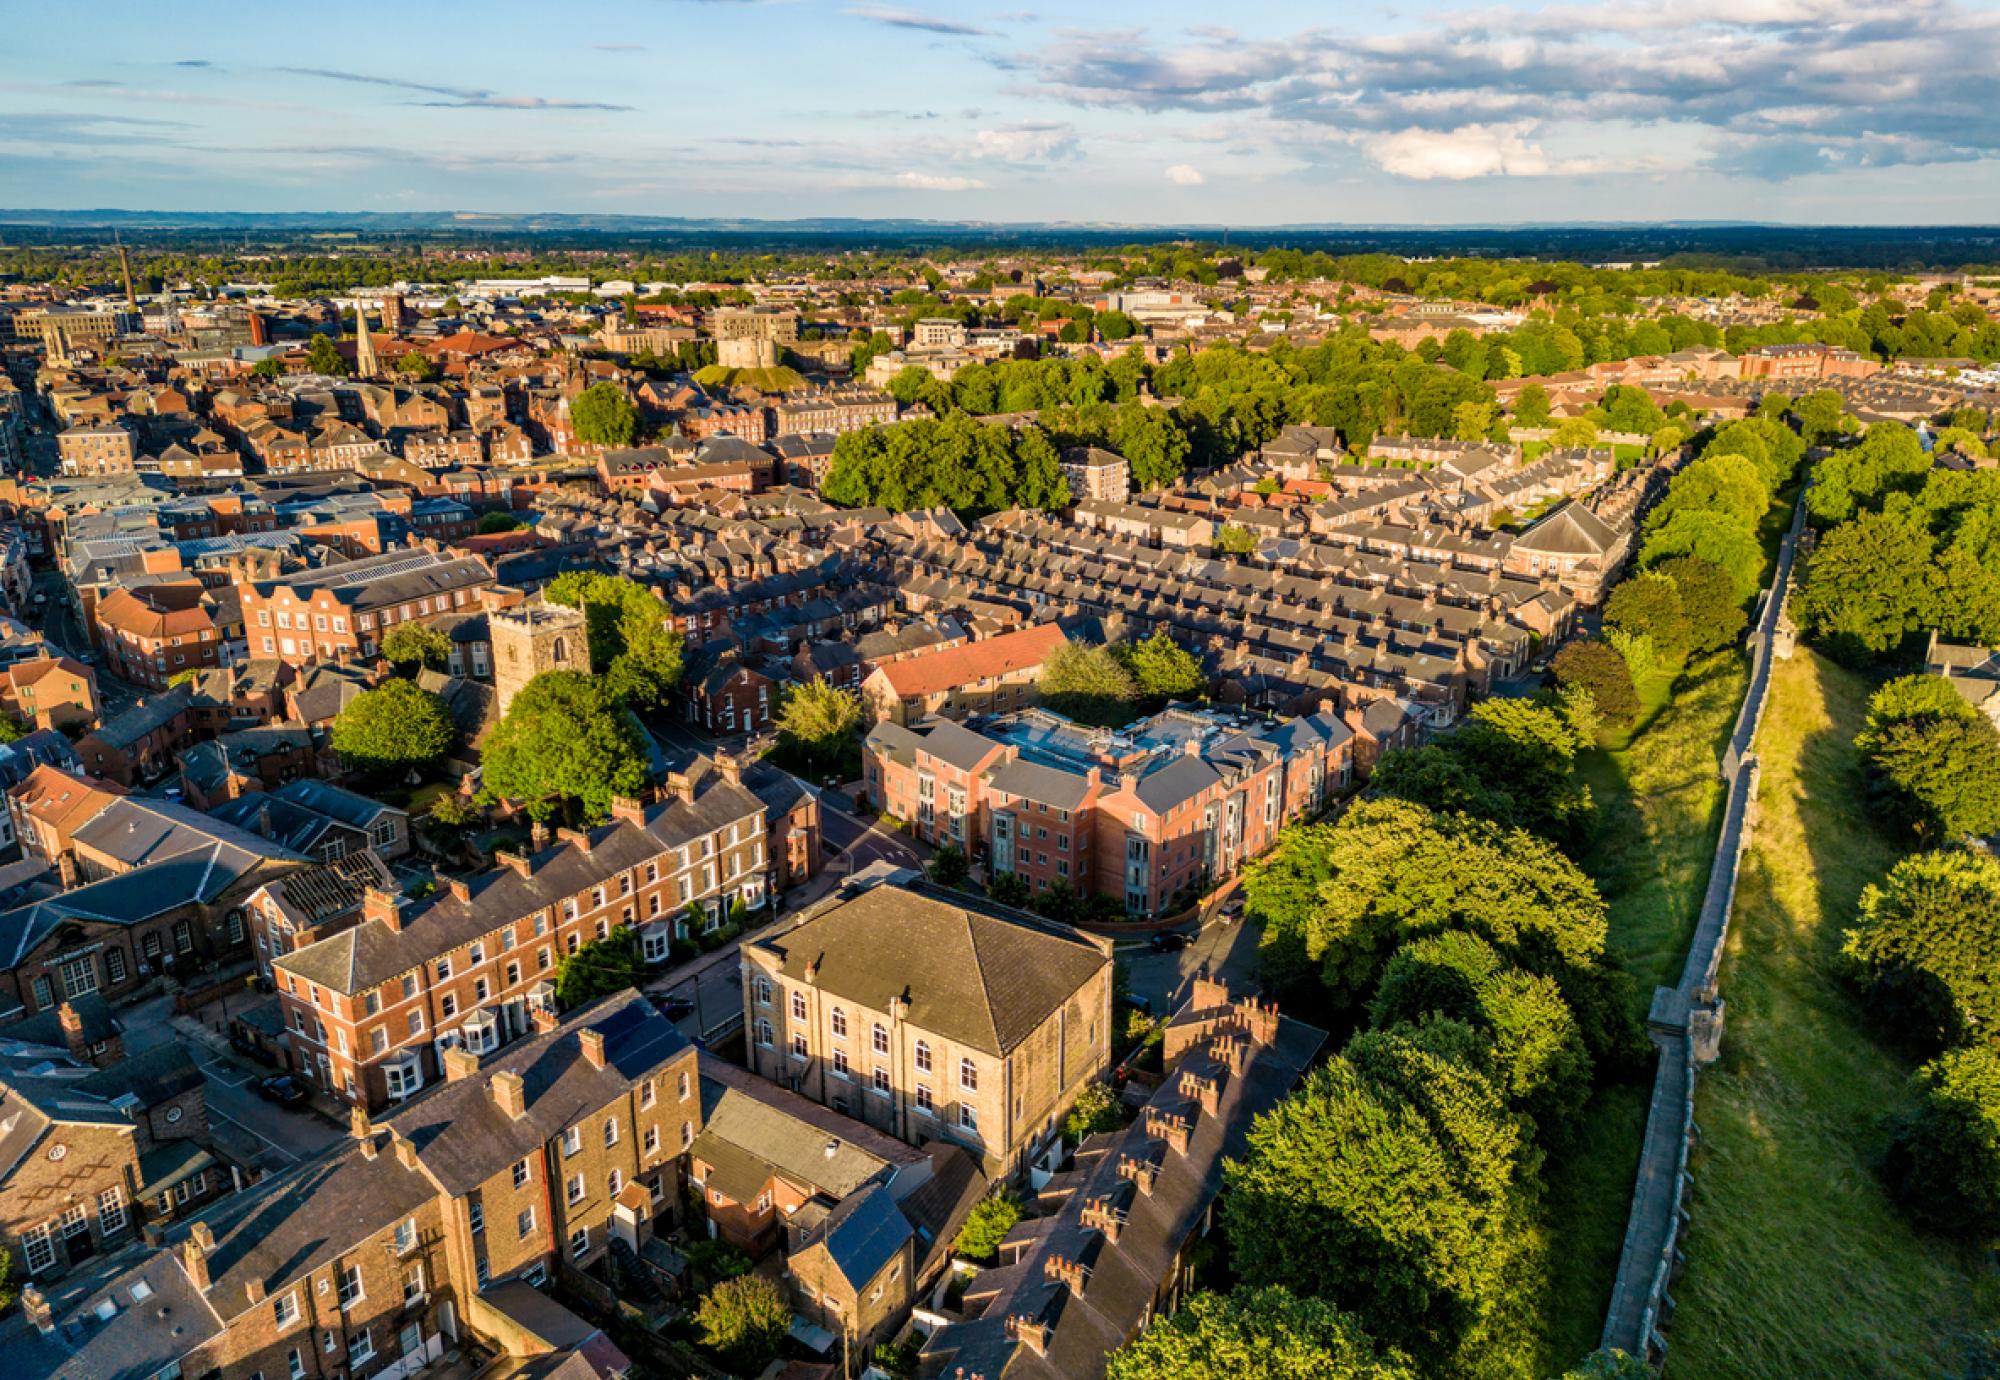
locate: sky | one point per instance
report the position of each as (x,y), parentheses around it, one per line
(1805,111)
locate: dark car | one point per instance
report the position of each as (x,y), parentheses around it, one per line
(674,1008)
(282,1089)
(1168,941)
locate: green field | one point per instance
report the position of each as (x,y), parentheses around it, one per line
(1798,1264)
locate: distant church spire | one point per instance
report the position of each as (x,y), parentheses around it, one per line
(364,348)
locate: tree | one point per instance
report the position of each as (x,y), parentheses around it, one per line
(1718,537)
(417,644)
(818,719)
(1531,407)
(1597,668)
(495,523)
(1386,1184)
(1943,1161)
(1510,762)
(323,357)
(455,813)
(1649,606)
(394,728)
(1940,776)
(1707,595)
(604,416)
(1574,431)
(1888,459)
(417,366)
(1536,1049)
(1096,1109)
(1927,940)
(1009,889)
(1235,539)
(948,866)
(599,968)
(986,1226)
(1911,699)
(632,645)
(268,368)
(564,743)
(1164,669)
(745,1320)
(1255,1334)
(1718,484)
(1089,684)
(1869,584)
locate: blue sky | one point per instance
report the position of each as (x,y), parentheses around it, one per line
(1845,111)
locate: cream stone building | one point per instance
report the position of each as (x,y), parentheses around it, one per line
(934,1017)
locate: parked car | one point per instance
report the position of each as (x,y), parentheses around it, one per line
(1168,941)
(674,1008)
(282,1089)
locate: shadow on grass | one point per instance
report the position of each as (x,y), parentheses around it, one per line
(1798,1262)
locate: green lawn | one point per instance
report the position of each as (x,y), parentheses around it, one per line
(1798,1264)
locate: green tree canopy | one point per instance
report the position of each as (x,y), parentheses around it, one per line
(1596,668)
(1510,762)
(819,719)
(417,644)
(1889,458)
(986,1226)
(1089,684)
(1716,484)
(1943,1161)
(395,727)
(632,644)
(1708,598)
(745,1320)
(1718,537)
(1927,940)
(416,365)
(1537,1051)
(599,968)
(1255,1334)
(324,357)
(1940,776)
(1164,669)
(564,743)
(1649,605)
(1388,1184)
(604,416)
(1869,584)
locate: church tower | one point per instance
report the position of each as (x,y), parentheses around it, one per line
(365,364)
(532,638)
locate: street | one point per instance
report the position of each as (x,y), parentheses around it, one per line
(1164,980)
(64,631)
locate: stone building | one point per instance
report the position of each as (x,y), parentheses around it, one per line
(532,639)
(933,1017)
(753,337)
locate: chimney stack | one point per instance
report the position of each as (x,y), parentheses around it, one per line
(510,1094)
(1071,1273)
(1203,1090)
(730,766)
(1167,1126)
(628,809)
(194,1254)
(385,906)
(460,1064)
(538,835)
(461,890)
(1030,1332)
(593,1047)
(72,1029)
(1099,1215)
(358,1124)
(544,1019)
(575,836)
(1140,1172)
(516,861)
(35,1307)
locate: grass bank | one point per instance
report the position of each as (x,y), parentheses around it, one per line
(1798,1263)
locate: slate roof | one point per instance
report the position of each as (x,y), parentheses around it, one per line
(463,1136)
(753,1130)
(372,953)
(985,978)
(130,1317)
(1065,790)
(863,1233)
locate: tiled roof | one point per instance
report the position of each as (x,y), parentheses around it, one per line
(932,672)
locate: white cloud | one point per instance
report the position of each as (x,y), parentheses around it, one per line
(1185,175)
(1025,143)
(1456,154)
(926,182)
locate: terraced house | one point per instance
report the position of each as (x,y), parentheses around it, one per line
(372,1010)
(341,612)
(413,1236)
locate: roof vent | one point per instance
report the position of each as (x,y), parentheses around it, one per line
(833,1147)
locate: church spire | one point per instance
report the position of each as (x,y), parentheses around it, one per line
(365,365)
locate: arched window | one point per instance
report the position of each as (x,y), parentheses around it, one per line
(557,650)
(968,1075)
(924,1056)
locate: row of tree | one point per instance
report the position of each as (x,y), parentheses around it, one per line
(956,462)
(1903,548)
(1925,947)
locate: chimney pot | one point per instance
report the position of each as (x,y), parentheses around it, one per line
(593,1047)
(385,906)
